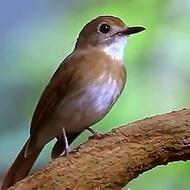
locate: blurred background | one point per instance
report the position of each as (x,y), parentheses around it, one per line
(36,35)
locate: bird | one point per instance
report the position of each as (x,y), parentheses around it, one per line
(80,93)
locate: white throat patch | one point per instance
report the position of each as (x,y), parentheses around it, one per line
(116,50)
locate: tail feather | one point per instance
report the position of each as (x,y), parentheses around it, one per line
(23,163)
(20,167)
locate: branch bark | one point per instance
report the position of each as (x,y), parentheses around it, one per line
(113,161)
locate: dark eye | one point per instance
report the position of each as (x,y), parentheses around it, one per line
(104,28)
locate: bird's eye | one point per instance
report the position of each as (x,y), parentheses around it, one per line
(104,28)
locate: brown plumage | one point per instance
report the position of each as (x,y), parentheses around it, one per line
(81,92)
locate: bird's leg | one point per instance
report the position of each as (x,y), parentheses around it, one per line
(67,150)
(95,133)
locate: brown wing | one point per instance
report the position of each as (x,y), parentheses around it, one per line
(51,95)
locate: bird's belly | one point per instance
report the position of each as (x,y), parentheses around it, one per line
(81,110)
(98,99)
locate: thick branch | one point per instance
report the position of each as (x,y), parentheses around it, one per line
(113,161)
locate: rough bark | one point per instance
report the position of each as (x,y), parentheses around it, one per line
(113,161)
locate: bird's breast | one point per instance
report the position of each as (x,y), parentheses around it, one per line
(90,104)
(100,96)
(93,91)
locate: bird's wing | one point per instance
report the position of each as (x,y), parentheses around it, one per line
(54,92)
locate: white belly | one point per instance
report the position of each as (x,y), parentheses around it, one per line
(102,96)
(86,107)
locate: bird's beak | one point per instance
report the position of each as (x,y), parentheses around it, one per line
(133,30)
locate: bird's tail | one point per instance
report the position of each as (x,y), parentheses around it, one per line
(20,167)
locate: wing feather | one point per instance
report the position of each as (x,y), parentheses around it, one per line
(53,93)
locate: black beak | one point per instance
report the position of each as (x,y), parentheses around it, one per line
(133,30)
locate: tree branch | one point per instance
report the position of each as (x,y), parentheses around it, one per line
(113,161)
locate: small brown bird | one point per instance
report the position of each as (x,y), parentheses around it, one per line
(81,92)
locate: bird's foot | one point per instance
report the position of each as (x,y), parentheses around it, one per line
(67,151)
(96,134)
